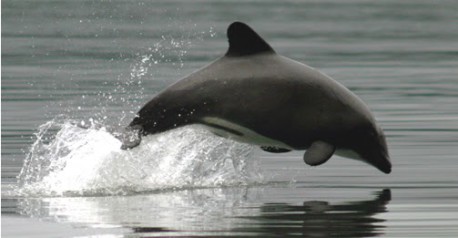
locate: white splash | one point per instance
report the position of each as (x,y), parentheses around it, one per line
(170,50)
(67,160)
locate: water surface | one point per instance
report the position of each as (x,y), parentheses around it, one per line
(65,62)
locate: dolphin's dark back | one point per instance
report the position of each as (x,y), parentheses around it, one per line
(289,94)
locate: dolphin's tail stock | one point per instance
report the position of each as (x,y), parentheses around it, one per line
(130,137)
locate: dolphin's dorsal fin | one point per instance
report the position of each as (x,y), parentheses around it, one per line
(245,41)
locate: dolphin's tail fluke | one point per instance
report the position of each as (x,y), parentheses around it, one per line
(130,137)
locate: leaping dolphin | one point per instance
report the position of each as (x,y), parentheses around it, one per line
(254,95)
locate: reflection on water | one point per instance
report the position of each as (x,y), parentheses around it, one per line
(322,219)
(195,209)
(201,212)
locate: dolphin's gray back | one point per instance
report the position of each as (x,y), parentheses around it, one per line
(275,89)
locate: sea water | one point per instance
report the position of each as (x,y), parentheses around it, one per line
(93,64)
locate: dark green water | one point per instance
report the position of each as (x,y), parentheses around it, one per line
(105,59)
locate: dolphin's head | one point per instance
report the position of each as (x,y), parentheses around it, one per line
(370,145)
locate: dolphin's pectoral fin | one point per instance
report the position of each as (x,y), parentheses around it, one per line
(273,149)
(130,137)
(318,153)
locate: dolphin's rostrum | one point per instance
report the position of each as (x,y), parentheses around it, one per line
(254,95)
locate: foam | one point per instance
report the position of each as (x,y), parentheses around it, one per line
(67,160)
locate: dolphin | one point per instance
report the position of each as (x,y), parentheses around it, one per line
(254,95)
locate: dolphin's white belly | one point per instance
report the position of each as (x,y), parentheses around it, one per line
(227,129)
